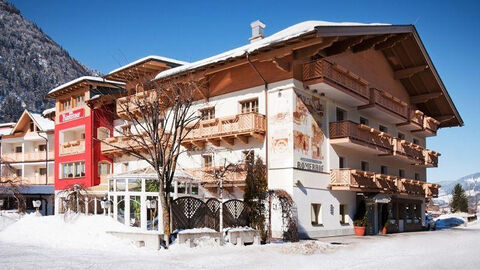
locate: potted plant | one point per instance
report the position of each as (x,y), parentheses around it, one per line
(385,226)
(359,225)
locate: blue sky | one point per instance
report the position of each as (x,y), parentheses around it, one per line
(107,34)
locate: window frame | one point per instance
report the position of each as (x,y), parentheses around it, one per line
(253,105)
(316,217)
(207,113)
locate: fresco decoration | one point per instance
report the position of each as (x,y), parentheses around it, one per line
(309,139)
(280,129)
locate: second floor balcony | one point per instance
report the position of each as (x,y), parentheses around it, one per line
(363,181)
(28,156)
(114,146)
(234,176)
(229,130)
(336,82)
(72,147)
(386,107)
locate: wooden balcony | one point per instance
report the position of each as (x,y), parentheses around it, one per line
(414,121)
(39,156)
(72,148)
(233,177)
(110,146)
(336,82)
(429,128)
(12,157)
(362,181)
(431,158)
(403,149)
(386,107)
(38,180)
(360,137)
(239,127)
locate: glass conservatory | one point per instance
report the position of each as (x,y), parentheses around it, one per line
(134,198)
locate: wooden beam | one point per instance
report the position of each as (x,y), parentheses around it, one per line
(199,144)
(257,136)
(343,45)
(425,97)
(369,43)
(281,64)
(306,53)
(444,118)
(408,72)
(228,140)
(215,142)
(390,42)
(242,138)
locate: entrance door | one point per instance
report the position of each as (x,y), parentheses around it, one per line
(382,215)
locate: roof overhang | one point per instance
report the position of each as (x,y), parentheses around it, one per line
(78,83)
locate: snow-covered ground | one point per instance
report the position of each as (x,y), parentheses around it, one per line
(50,243)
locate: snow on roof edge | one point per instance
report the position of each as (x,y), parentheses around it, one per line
(7,124)
(89,78)
(48,111)
(285,34)
(43,123)
(154,57)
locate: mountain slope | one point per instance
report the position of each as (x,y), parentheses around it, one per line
(31,64)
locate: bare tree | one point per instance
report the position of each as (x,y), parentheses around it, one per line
(156,122)
(11,184)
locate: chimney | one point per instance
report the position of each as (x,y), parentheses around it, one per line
(257,30)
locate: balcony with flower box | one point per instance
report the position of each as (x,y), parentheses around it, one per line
(386,107)
(360,137)
(239,127)
(72,148)
(336,82)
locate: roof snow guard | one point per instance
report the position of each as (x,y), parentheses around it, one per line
(149,65)
(79,82)
(400,44)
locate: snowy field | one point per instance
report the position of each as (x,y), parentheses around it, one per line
(81,243)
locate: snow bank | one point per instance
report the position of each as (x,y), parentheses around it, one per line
(7,218)
(77,231)
(197,230)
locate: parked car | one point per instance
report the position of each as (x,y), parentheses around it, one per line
(430,224)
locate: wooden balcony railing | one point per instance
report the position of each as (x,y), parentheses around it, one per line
(409,150)
(12,157)
(361,134)
(388,102)
(362,181)
(336,75)
(232,177)
(226,129)
(39,156)
(431,124)
(72,147)
(431,158)
(111,146)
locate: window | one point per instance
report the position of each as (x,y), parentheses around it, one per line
(417,176)
(316,214)
(364,121)
(82,136)
(79,100)
(18,172)
(401,136)
(343,214)
(65,105)
(383,169)
(181,188)
(365,166)
(415,141)
(194,189)
(18,149)
(341,115)
(103,168)
(42,147)
(32,126)
(73,169)
(383,128)
(341,162)
(247,155)
(249,106)
(43,171)
(207,113)
(207,161)
(401,173)
(103,132)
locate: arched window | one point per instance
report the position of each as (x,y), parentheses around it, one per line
(103,132)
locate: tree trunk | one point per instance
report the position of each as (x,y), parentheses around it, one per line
(166,215)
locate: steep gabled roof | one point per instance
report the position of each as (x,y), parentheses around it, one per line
(43,124)
(66,87)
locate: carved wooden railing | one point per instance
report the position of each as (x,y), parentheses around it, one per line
(416,116)
(409,150)
(361,134)
(430,124)
(234,175)
(12,157)
(72,147)
(389,102)
(34,156)
(237,124)
(431,158)
(322,69)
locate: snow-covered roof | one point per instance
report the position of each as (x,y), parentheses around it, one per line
(5,131)
(11,124)
(44,124)
(48,111)
(84,78)
(150,173)
(150,57)
(286,34)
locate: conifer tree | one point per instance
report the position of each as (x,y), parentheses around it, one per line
(459,201)
(256,192)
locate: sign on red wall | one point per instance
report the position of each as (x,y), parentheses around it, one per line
(73,115)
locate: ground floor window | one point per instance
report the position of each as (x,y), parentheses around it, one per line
(73,169)
(135,211)
(121,209)
(316,214)
(152,213)
(343,214)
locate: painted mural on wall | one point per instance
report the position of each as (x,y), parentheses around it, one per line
(296,136)
(309,139)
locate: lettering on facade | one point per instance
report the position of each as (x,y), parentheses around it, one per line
(310,165)
(73,115)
